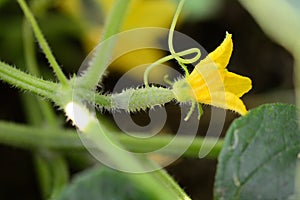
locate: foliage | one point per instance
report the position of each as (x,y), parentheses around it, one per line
(248,170)
(258,159)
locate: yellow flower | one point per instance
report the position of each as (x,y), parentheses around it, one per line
(211,83)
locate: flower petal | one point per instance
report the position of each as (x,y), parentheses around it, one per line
(237,84)
(225,100)
(221,55)
(206,80)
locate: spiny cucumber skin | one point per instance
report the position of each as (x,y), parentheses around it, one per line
(134,100)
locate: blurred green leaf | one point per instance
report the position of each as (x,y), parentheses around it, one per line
(279,19)
(294,3)
(102,183)
(201,9)
(259,155)
(2,2)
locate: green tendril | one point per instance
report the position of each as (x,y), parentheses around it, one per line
(170,57)
(188,116)
(177,56)
(167,80)
(193,106)
(200,111)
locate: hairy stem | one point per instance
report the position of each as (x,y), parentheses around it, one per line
(27,82)
(168,181)
(43,43)
(31,63)
(99,64)
(51,167)
(119,157)
(29,51)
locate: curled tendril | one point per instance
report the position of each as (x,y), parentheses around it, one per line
(133,100)
(178,57)
(175,55)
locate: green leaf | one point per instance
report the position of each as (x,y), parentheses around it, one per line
(278,19)
(102,183)
(2,2)
(259,155)
(201,9)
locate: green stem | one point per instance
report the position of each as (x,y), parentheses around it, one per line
(103,101)
(51,167)
(32,138)
(53,173)
(99,64)
(43,173)
(43,43)
(171,184)
(32,67)
(28,82)
(29,51)
(109,145)
(48,113)
(60,174)
(124,160)
(157,142)
(167,180)
(32,112)
(115,19)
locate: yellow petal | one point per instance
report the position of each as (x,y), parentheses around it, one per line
(206,79)
(237,84)
(225,100)
(221,55)
(145,13)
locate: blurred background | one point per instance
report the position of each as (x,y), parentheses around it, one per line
(73,28)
